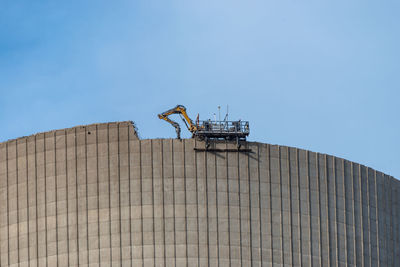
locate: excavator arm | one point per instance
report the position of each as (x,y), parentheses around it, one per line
(189,123)
(181,110)
(175,124)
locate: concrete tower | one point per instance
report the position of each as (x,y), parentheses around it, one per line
(96,195)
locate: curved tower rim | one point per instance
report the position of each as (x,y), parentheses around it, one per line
(97,193)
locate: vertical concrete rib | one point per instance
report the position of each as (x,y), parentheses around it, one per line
(270,202)
(216,207)
(67,195)
(17,200)
(240,211)
(320,210)
(141,201)
(311,240)
(240,214)
(56,195)
(377,219)
(327,210)
(357,214)
(129,197)
(260,217)
(76,197)
(299,218)
(36,203)
(8,207)
(1,210)
(163,197)
(173,198)
(185,199)
(45,196)
(287,249)
(383,224)
(398,221)
(281,206)
(98,194)
(291,200)
(96,141)
(389,229)
(197,204)
(335,196)
(324,223)
(27,201)
(228,203)
(250,207)
(206,205)
(393,232)
(389,232)
(353,213)
(109,192)
(343,179)
(119,194)
(368,218)
(152,201)
(266,204)
(362,213)
(318,200)
(371,223)
(254,193)
(331,183)
(86,198)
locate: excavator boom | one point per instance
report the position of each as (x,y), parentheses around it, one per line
(181,110)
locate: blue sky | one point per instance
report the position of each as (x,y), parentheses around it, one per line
(319,75)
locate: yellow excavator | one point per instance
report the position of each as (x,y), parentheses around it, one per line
(205,130)
(181,110)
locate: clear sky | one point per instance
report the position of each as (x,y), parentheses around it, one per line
(319,75)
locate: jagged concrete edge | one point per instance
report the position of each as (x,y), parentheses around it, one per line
(137,135)
(75,127)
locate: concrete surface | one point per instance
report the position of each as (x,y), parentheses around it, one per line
(96,195)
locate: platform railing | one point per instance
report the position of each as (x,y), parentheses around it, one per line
(221,127)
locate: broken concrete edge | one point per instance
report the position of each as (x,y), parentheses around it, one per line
(79,128)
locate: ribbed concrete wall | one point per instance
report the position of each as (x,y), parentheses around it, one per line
(96,195)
